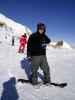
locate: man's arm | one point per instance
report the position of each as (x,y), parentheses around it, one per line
(47,40)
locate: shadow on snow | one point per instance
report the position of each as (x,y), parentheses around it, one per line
(9,90)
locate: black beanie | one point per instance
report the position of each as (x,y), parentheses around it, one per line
(41,26)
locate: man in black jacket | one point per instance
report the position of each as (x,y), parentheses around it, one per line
(36,51)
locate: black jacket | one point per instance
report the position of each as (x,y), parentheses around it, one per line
(37,44)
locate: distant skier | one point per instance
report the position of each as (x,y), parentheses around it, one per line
(36,52)
(23,42)
(13,40)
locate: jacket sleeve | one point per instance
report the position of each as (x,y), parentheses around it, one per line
(47,40)
(29,47)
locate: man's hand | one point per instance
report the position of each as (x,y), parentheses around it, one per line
(29,59)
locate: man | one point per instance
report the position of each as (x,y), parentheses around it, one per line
(36,51)
(23,42)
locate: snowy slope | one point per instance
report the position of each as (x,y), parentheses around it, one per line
(14,25)
(62,68)
(9,28)
(64,46)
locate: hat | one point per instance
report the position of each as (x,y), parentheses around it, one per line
(41,26)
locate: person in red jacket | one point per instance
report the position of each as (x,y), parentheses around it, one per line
(23,42)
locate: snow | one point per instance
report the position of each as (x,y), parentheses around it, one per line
(14,25)
(11,28)
(64,46)
(13,66)
(62,68)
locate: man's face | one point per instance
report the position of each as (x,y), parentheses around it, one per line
(41,31)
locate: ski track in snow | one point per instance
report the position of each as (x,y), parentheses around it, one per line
(62,68)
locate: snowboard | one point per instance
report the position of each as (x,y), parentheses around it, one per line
(61,85)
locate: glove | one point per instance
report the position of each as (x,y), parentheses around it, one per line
(29,59)
(44,45)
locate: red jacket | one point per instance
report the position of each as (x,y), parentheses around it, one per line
(23,40)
